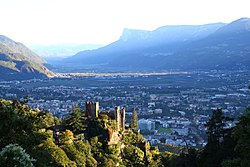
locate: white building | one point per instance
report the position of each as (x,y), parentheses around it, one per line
(158,111)
(151,104)
(145,124)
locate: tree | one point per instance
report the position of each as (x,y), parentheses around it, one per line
(165,158)
(220,144)
(134,121)
(216,127)
(51,155)
(108,162)
(133,156)
(45,120)
(76,121)
(13,155)
(67,137)
(242,134)
(16,120)
(74,154)
(91,162)
(96,127)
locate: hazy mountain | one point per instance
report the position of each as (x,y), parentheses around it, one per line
(227,48)
(170,34)
(19,62)
(61,50)
(136,48)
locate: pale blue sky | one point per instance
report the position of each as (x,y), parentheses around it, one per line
(102,21)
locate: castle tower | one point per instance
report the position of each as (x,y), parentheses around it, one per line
(92,109)
(117,114)
(123,118)
(120,118)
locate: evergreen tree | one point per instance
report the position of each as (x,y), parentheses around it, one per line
(134,121)
(242,134)
(13,155)
(215,127)
(76,121)
(220,143)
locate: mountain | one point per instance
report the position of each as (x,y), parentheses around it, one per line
(61,50)
(184,47)
(227,48)
(19,62)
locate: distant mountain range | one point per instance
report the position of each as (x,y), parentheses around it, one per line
(19,62)
(176,48)
(61,50)
(187,47)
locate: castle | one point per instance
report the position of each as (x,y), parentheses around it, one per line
(120,117)
(92,111)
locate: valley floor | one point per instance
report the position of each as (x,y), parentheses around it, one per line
(172,107)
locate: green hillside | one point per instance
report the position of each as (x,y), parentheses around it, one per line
(19,62)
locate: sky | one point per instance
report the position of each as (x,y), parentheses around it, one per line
(49,22)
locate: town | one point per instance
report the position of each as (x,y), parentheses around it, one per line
(171,108)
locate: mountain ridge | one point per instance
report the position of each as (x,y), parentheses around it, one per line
(19,62)
(171,47)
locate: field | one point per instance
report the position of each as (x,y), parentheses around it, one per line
(164,130)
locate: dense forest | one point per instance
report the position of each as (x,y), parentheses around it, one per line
(30,137)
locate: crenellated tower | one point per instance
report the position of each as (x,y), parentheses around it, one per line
(92,109)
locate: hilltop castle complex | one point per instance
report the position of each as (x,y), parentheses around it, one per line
(92,111)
